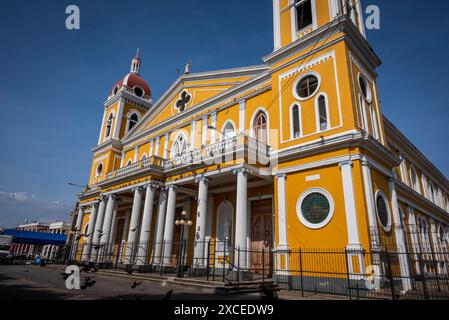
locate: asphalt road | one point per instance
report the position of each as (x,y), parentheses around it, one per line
(29,282)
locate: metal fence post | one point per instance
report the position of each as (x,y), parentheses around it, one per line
(301,272)
(390,275)
(348,274)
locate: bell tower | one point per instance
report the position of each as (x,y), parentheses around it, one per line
(296,19)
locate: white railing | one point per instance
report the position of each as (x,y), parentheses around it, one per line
(229,147)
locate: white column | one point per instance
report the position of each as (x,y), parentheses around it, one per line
(113,231)
(169,223)
(370,204)
(87,249)
(122,160)
(241,233)
(160,225)
(242,117)
(167,137)
(106,229)
(134,225)
(201,219)
(213,133)
(76,234)
(146,224)
(204,133)
(400,240)
(98,229)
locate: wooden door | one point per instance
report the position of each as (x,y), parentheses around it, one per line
(261,235)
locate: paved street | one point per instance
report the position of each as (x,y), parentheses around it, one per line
(29,282)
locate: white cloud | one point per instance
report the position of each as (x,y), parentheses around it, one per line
(15,207)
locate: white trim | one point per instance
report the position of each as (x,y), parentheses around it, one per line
(242,116)
(282,211)
(204,131)
(192,135)
(380,193)
(300,214)
(317,112)
(302,77)
(142,156)
(111,132)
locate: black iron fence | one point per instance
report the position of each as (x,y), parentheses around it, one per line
(351,273)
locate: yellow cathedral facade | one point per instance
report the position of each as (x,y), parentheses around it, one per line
(293,153)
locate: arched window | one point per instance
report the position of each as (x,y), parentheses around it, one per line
(374,122)
(228,130)
(363,115)
(261,127)
(323,119)
(129,163)
(109,126)
(99,170)
(132,121)
(295,122)
(179,146)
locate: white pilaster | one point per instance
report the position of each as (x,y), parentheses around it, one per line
(242,117)
(113,231)
(351,213)
(282,213)
(167,137)
(160,225)
(204,131)
(241,233)
(370,204)
(201,219)
(192,135)
(400,239)
(134,226)
(118,119)
(146,224)
(90,233)
(436,245)
(100,138)
(169,223)
(213,133)
(156,149)
(277,24)
(151,152)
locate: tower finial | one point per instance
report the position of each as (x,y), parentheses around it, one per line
(135,63)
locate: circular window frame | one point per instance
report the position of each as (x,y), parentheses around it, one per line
(300,78)
(387,228)
(369,97)
(300,215)
(140,88)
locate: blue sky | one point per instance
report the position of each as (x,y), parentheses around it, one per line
(53,81)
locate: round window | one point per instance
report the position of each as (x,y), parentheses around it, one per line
(138,92)
(307,86)
(364,88)
(315,208)
(383,212)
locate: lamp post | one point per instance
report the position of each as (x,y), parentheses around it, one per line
(184,223)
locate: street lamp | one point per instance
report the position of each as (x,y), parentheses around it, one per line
(184,223)
(78,185)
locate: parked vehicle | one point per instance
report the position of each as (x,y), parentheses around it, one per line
(5,249)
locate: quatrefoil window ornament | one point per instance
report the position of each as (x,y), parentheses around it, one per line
(183,101)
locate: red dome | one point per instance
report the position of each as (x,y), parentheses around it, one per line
(132,81)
